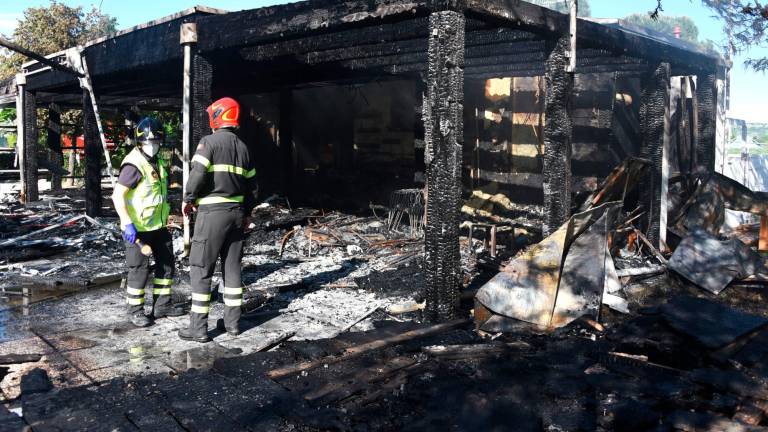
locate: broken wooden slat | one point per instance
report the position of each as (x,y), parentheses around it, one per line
(46,229)
(641,271)
(709,323)
(359,350)
(653,249)
(751,411)
(360,380)
(731,381)
(707,422)
(19,358)
(474,350)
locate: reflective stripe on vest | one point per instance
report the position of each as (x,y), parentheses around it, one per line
(232,169)
(147,203)
(218,200)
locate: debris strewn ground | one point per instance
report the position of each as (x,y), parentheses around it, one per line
(333,338)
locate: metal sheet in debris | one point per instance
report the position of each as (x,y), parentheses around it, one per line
(710,323)
(527,289)
(713,264)
(583,276)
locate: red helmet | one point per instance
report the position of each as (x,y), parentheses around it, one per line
(224,112)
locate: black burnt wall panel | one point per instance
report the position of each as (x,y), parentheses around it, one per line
(202,81)
(706,93)
(443,121)
(53,141)
(94,153)
(557,138)
(654,103)
(30,146)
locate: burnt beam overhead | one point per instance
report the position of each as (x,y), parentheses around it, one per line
(378,37)
(529,16)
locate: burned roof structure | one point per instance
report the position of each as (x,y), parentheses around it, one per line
(448,77)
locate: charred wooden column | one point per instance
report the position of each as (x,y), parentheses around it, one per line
(93,157)
(443,136)
(27,139)
(706,95)
(654,108)
(54,144)
(558,131)
(202,80)
(285,141)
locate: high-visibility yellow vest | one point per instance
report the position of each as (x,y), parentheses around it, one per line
(148,202)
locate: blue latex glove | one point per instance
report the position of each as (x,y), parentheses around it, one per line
(129,233)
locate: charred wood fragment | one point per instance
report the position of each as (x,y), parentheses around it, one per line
(30,146)
(443,136)
(653,105)
(53,141)
(93,157)
(558,130)
(706,95)
(202,81)
(286,141)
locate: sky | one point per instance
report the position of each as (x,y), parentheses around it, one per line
(748,90)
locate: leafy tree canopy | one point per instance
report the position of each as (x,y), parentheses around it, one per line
(52,28)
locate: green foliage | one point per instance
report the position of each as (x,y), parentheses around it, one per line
(7,115)
(52,28)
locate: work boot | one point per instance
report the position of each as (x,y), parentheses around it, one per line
(197,330)
(233,330)
(164,308)
(168,310)
(231,320)
(190,334)
(140,320)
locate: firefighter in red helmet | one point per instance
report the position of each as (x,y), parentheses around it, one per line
(221,190)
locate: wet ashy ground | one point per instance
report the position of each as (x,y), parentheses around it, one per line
(654,369)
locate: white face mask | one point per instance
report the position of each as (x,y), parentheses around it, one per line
(150,148)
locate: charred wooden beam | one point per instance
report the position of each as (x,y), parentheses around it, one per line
(202,82)
(653,111)
(535,18)
(93,157)
(558,130)
(258,26)
(443,136)
(53,140)
(30,146)
(706,95)
(377,34)
(286,141)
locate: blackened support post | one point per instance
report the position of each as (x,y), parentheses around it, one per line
(444,133)
(188,40)
(21,82)
(93,157)
(30,146)
(202,81)
(706,94)
(654,110)
(285,141)
(53,141)
(558,131)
